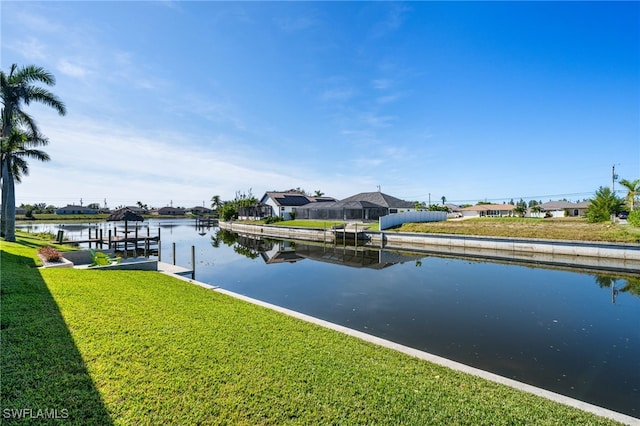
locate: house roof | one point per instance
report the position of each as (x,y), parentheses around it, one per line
(286,199)
(561,205)
(487,207)
(292,199)
(379,199)
(365,200)
(556,205)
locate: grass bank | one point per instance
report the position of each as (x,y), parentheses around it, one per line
(122,347)
(576,229)
(560,229)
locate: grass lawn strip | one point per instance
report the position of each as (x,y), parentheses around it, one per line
(147,348)
(574,229)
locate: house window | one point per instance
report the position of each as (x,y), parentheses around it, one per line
(575,212)
(393,210)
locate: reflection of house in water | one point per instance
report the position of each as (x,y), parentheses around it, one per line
(281,252)
(357,257)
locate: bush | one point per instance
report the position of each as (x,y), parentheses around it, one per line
(50,254)
(634,218)
(272,219)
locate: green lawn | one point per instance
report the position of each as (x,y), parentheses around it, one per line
(122,347)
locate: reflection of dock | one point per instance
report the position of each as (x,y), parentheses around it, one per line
(206,221)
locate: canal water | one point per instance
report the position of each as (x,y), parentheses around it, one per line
(573,332)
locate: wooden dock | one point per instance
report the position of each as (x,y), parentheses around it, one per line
(126,240)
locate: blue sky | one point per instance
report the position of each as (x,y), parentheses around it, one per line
(174,102)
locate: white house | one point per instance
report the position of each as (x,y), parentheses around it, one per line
(284,204)
(73,209)
(560,209)
(488,210)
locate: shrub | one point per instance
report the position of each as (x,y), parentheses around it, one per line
(634,218)
(272,219)
(50,254)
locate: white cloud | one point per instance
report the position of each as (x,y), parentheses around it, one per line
(71,69)
(94,161)
(30,48)
(381,83)
(338,94)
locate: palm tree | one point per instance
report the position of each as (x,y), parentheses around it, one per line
(444,199)
(216,202)
(20,146)
(17,89)
(633,188)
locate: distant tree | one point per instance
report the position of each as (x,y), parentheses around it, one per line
(438,208)
(420,205)
(520,210)
(444,199)
(228,211)
(142,205)
(95,206)
(604,204)
(216,202)
(536,208)
(318,193)
(633,190)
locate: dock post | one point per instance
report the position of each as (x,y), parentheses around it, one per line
(356,236)
(173,250)
(110,239)
(193,262)
(101,239)
(159,251)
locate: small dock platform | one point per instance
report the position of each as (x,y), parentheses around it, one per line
(168,268)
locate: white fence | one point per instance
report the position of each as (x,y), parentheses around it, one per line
(395,219)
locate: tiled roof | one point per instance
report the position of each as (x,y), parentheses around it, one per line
(364,200)
(561,205)
(379,199)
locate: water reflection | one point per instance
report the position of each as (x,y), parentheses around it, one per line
(274,251)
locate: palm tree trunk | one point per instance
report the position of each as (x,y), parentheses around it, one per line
(8,204)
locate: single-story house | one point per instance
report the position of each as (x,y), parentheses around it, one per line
(488,210)
(281,204)
(73,209)
(560,209)
(363,206)
(137,209)
(200,210)
(171,211)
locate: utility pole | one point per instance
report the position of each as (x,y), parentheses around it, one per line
(614,177)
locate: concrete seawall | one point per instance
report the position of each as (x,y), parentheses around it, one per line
(618,257)
(306,234)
